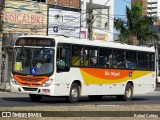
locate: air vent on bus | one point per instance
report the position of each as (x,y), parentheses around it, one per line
(29,89)
(32,79)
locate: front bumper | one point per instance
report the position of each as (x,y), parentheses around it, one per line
(33,90)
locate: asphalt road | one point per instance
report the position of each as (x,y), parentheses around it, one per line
(8,99)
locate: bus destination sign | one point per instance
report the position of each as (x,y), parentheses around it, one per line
(35,42)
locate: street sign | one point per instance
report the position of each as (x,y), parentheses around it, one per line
(55,29)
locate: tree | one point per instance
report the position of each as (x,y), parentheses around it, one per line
(135,29)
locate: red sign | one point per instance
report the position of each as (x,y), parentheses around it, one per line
(23,18)
(83,35)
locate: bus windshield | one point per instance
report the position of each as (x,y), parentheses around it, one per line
(27,60)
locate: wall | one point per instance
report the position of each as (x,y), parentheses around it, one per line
(64,21)
(64,18)
(25,17)
(158,8)
(68,3)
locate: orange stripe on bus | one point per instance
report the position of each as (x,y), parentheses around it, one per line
(111,74)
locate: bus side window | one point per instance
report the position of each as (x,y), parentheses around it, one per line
(121,58)
(86,56)
(104,57)
(83,56)
(113,59)
(151,61)
(143,60)
(79,56)
(76,55)
(131,60)
(93,56)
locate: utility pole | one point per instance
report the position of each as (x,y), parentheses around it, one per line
(90,20)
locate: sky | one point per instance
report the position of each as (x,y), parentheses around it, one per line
(120,7)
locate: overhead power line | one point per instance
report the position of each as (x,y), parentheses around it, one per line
(91,19)
(101,10)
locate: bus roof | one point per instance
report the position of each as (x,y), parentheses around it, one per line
(62,39)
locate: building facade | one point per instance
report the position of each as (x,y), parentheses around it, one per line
(150,7)
(103,25)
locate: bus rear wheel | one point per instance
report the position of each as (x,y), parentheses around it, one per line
(35,98)
(74,93)
(128,93)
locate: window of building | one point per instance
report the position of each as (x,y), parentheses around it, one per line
(150,8)
(150,3)
(101,18)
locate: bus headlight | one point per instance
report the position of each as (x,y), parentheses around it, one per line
(14,81)
(47,83)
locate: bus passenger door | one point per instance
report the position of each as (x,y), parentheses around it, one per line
(62,60)
(62,76)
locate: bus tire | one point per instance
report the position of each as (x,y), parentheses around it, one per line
(74,93)
(95,97)
(35,98)
(128,93)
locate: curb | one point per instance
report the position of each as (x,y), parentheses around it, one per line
(6,88)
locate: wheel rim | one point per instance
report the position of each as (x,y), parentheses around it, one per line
(128,92)
(74,93)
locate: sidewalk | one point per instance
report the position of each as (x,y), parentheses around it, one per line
(6,88)
(157,88)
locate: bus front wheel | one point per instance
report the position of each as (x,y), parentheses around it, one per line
(74,93)
(35,98)
(128,93)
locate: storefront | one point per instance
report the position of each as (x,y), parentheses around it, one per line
(19,18)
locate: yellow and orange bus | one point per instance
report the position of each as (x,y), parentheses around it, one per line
(60,66)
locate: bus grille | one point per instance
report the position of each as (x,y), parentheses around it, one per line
(29,89)
(32,79)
